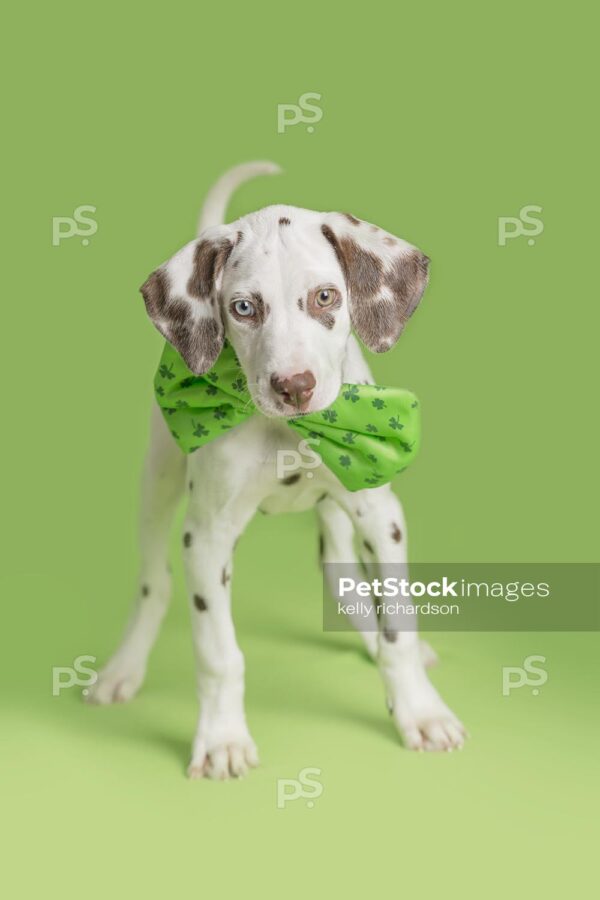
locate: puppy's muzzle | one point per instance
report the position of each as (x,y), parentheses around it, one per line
(295,390)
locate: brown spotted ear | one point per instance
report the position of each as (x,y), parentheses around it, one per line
(385,278)
(181,299)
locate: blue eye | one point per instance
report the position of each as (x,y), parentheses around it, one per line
(243,308)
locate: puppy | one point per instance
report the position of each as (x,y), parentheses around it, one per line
(285,286)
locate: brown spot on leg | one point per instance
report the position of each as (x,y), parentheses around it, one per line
(368,547)
(187,539)
(396,533)
(145,590)
(390,636)
(291,479)
(225,577)
(321,547)
(191,485)
(200,603)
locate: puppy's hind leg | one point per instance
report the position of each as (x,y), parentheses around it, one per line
(162,487)
(339,559)
(338,545)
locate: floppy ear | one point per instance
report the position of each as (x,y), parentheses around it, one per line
(385,278)
(181,298)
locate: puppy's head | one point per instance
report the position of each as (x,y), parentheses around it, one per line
(285,285)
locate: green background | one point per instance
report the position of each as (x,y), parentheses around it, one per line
(436,121)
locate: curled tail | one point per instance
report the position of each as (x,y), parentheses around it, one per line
(215,205)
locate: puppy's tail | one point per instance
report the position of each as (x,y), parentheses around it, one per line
(215,205)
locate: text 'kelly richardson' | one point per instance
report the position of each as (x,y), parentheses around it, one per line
(463,597)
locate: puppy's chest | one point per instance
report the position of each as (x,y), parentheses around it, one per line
(294,476)
(268,461)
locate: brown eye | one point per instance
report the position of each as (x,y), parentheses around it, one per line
(326,296)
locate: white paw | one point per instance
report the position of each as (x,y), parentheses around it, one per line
(115,684)
(224,761)
(434,727)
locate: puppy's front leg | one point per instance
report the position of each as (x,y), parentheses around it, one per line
(222,746)
(421,716)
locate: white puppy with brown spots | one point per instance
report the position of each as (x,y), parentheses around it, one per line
(285,286)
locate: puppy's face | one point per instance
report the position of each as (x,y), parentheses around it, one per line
(285,285)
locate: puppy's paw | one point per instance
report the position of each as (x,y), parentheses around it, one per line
(225,761)
(115,684)
(434,728)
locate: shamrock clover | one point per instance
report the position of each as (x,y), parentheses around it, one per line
(376,476)
(348,438)
(414,403)
(211,390)
(329,415)
(407,447)
(345,461)
(396,423)
(199,429)
(166,371)
(377,403)
(188,382)
(220,412)
(160,390)
(170,410)
(372,428)
(239,384)
(213,376)
(351,393)
(182,404)
(175,435)
(371,457)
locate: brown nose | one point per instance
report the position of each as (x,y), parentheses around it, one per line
(295,390)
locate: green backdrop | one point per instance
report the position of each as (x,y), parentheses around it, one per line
(437,120)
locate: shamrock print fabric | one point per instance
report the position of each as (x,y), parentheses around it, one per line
(368,435)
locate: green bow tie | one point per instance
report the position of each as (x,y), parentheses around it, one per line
(368,435)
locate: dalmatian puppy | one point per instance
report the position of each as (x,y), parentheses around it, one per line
(284,286)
